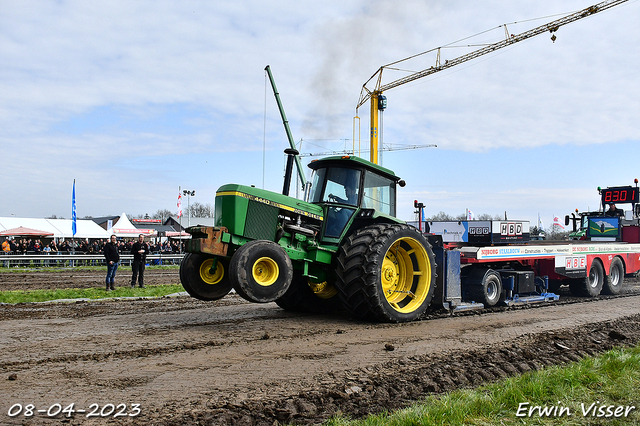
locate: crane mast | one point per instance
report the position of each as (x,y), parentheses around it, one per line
(374,95)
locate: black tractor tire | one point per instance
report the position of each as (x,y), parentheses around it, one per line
(614,281)
(300,297)
(386,272)
(199,282)
(260,271)
(483,285)
(591,285)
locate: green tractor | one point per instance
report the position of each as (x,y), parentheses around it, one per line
(341,248)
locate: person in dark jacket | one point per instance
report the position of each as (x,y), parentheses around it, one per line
(112,258)
(613,211)
(139,250)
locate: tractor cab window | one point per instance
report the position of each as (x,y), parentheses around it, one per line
(339,188)
(379,193)
(336,185)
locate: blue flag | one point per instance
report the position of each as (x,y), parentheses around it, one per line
(73,209)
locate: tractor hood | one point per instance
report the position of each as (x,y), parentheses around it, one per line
(253,212)
(270,198)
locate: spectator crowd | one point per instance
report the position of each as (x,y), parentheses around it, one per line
(35,246)
(29,246)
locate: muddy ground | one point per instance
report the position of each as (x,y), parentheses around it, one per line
(50,278)
(231,362)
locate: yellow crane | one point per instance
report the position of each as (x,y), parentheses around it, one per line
(378,101)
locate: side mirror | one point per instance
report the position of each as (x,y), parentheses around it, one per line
(566,220)
(402,183)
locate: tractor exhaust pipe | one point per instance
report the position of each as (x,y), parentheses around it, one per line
(291,155)
(292,144)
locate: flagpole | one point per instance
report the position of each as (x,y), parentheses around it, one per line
(73,210)
(73,222)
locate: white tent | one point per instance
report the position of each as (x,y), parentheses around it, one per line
(61,228)
(85,228)
(124,228)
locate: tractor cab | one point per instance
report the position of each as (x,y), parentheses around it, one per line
(350,189)
(610,223)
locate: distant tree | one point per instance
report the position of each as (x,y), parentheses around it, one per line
(53,216)
(201,210)
(88,217)
(441,216)
(557,233)
(162,214)
(141,216)
(534,231)
(486,216)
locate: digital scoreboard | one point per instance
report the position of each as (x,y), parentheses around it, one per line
(622,194)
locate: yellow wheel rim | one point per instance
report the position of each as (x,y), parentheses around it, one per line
(265,271)
(323,290)
(207,276)
(406,275)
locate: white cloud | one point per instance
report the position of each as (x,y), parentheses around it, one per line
(173,93)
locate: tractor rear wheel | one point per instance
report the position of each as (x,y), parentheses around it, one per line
(613,282)
(591,285)
(386,272)
(306,296)
(200,281)
(260,271)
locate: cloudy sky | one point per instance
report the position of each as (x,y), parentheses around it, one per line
(134,99)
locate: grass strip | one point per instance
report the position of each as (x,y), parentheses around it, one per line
(24,296)
(599,390)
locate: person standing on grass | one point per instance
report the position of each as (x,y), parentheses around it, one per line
(139,250)
(112,257)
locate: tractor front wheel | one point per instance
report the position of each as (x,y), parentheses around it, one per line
(204,277)
(261,271)
(386,272)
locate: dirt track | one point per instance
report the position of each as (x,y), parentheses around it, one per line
(231,362)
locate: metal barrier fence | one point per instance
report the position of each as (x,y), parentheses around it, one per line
(72,260)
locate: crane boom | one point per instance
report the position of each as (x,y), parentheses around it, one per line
(347,152)
(372,95)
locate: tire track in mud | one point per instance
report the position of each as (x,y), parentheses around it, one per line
(395,384)
(164,349)
(166,305)
(117,354)
(364,368)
